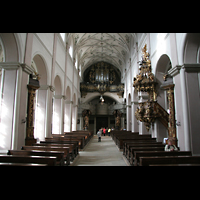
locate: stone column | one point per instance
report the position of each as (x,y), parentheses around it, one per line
(75,108)
(68,116)
(191,75)
(57,114)
(11,97)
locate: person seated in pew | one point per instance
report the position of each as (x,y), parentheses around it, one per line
(170,146)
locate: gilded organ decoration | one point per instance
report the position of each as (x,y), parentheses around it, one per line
(102,77)
(102,73)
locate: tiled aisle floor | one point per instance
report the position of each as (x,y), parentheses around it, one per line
(104,153)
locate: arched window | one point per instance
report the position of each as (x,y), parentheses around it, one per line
(1,52)
(63,36)
(70,51)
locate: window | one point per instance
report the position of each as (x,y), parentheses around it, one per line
(76,61)
(70,51)
(63,36)
(1,53)
(80,70)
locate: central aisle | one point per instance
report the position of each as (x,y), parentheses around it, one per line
(104,153)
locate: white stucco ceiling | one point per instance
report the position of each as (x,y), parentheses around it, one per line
(94,47)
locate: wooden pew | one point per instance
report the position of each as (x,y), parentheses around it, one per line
(124,134)
(67,140)
(138,154)
(133,149)
(91,133)
(71,136)
(49,160)
(127,144)
(50,148)
(58,154)
(115,132)
(23,164)
(72,151)
(75,143)
(87,135)
(143,145)
(120,140)
(175,165)
(146,161)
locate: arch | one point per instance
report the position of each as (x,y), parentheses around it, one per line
(58,85)
(74,113)
(41,68)
(91,96)
(74,99)
(162,67)
(191,48)
(67,111)
(57,112)
(10,47)
(68,93)
(41,98)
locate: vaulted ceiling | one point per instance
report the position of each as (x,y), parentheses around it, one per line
(94,47)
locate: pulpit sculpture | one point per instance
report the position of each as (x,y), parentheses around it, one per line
(145,82)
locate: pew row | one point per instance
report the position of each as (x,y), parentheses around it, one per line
(50,148)
(48,160)
(138,154)
(58,154)
(146,161)
(72,150)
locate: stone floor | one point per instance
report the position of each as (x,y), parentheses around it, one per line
(104,153)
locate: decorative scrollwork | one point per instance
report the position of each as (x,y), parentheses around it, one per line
(145,82)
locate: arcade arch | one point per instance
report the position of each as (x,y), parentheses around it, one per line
(56,125)
(41,99)
(162,67)
(68,107)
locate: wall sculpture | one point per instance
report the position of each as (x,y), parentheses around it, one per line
(118,115)
(86,114)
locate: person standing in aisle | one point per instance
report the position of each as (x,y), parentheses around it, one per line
(104,131)
(99,135)
(109,131)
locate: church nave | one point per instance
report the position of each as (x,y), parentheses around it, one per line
(104,153)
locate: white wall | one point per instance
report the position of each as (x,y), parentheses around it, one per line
(42,44)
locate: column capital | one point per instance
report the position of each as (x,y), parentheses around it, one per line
(10,65)
(175,70)
(192,67)
(68,102)
(46,87)
(16,65)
